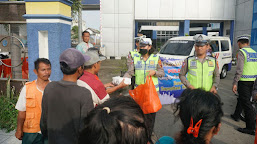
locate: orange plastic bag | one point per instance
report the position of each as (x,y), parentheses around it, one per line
(146,96)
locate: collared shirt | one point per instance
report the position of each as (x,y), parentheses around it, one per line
(184,70)
(95,86)
(83,47)
(239,66)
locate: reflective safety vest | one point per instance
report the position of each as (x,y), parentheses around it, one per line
(200,75)
(33,108)
(133,53)
(250,65)
(141,68)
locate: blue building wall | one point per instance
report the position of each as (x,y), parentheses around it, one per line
(254,27)
(57,43)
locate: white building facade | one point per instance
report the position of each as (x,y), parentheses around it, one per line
(120,19)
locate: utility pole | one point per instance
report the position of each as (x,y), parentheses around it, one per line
(16,58)
(80,24)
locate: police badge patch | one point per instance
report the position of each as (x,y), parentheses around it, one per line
(210,63)
(151,64)
(193,64)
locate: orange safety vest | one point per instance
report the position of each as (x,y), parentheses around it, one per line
(33,108)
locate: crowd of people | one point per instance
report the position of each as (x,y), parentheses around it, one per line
(79,110)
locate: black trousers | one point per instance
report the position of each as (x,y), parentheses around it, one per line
(150,120)
(245,92)
(238,109)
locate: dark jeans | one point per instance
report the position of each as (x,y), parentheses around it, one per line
(32,138)
(245,92)
(150,120)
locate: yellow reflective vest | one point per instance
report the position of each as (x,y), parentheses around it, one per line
(200,75)
(250,65)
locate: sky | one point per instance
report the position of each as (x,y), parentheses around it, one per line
(92,19)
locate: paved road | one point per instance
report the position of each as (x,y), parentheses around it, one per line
(165,125)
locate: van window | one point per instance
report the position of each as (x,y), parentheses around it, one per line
(215,46)
(224,45)
(177,47)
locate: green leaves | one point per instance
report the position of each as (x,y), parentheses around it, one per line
(8,113)
(75,7)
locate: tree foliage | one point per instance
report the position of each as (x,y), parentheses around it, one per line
(75,31)
(75,7)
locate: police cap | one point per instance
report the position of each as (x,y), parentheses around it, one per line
(201,39)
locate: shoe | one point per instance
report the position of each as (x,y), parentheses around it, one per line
(246,131)
(234,118)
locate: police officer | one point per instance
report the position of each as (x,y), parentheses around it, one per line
(145,63)
(246,73)
(202,71)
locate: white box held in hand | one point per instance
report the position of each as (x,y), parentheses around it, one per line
(117,80)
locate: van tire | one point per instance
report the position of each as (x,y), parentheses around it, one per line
(224,72)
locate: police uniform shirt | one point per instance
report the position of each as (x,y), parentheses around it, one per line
(184,70)
(240,66)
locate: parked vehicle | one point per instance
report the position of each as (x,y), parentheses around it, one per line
(183,47)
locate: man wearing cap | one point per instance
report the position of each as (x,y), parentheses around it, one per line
(85,45)
(64,103)
(202,71)
(90,80)
(246,73)
(144,64)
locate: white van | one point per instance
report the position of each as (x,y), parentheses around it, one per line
(183,47)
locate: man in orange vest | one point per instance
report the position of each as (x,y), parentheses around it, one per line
(29,104)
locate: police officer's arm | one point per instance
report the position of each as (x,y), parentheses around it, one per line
(239,68)
(160,71)
(129,60)
(131,68)
(182,74)
(216,77)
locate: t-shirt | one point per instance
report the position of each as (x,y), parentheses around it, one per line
(83,47)
(64,108)
(96,87)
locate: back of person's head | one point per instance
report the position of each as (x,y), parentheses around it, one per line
(71,60)
(116,121)
(41,60)
(204,109)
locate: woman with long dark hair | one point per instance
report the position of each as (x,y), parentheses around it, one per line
(200,113)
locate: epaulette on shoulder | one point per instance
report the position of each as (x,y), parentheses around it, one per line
(211,58)
(136,55)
